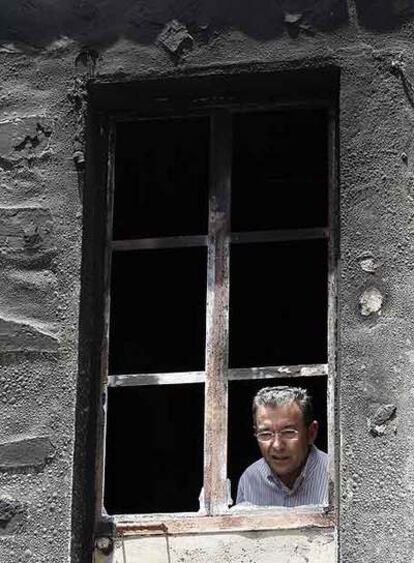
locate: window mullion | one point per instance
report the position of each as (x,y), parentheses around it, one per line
(107,130)
(218,274)
(332,402)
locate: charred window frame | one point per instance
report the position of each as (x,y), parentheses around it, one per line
(217,374)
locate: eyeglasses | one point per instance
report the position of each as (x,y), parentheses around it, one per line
(287,434)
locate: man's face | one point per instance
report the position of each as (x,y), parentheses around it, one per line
(285,457)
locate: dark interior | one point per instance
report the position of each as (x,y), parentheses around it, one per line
(278,303)
(158,303)
(154,449)
(161,177)
(280,170)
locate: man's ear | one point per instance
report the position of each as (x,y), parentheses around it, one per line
(312,431)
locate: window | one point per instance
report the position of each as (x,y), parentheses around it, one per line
(221,262)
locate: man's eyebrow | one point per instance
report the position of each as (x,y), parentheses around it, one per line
(282,427)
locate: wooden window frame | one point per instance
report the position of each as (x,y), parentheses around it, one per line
(215,514)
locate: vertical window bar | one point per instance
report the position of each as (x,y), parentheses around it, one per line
(332,306)
(218,272)
(102,414)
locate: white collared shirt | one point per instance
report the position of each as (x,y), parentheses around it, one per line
(259,486)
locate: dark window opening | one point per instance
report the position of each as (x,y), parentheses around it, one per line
(280,170)
(157,311)
(278,291)
(161,176)
(242,445)
(278,304)
(154,449)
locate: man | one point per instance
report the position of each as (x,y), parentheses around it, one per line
(292,471)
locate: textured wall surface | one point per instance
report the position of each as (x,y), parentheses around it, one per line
(40,234)
(49,51)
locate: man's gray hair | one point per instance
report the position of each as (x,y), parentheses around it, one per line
(283,395)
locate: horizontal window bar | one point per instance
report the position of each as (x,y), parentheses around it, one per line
(279,235)
(308,370)
(251,519)
(160,242)
(135,379)
(265,372)
(236,238)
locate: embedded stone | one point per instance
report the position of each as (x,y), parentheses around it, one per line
(371,301)
(384,413)
(368,265)
(377,424)
(175,37)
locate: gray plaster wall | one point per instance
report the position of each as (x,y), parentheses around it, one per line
(49,53)
(247,547)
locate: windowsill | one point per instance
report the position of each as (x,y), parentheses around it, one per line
(244,519)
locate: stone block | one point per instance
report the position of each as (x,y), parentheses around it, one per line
(25,235)
(23,138)
(26,453)
(16,335)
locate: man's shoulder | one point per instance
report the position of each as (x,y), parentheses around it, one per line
(317,465)
(321,456)
(257,468)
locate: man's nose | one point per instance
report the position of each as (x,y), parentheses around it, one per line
(276,443)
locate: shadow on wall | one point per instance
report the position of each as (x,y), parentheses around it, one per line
(383,15)
(102,22)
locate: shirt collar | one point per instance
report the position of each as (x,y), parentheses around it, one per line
(306,471)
